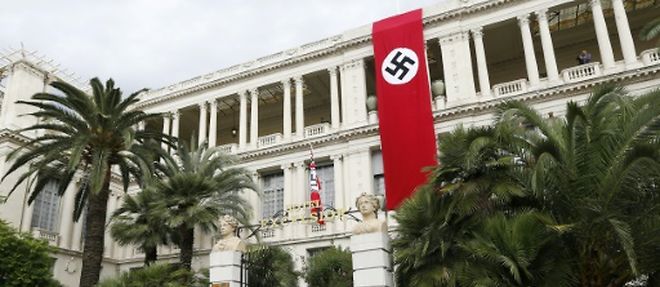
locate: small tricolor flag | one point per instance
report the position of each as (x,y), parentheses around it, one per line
(315,188)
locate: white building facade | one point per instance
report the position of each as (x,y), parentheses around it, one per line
(269,111)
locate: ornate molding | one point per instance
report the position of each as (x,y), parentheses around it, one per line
(471,109)
(304,53)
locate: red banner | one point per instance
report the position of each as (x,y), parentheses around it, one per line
(404,104)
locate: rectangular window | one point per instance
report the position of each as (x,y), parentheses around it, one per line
(378,173)
(272,200)
(46,208)
(326,175)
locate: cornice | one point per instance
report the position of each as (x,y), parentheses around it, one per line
(304,53)
(453,113)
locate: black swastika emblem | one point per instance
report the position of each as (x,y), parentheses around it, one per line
(399,64)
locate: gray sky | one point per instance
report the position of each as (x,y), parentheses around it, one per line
(153,43)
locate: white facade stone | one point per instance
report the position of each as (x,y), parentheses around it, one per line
(332,100)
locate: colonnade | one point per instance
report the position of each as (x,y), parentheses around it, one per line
(208,113)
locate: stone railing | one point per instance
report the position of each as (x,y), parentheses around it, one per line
(318,129)
(269,140)
(51,237)
(510,88)
(318,228)
(267,233)
(228,148)
(581,72)
(651,57)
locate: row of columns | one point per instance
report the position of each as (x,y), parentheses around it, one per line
(602,36)
(172,121)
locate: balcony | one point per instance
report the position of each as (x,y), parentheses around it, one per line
(269,140)
(53,238)
(581,72)
(316,130)
(510,88)
(228,148)
(651,57)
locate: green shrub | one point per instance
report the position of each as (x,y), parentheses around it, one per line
(24,260)
(157,275)
(271,267)
(332,267)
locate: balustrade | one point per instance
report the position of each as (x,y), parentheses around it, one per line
(269,140)
(228,148)
(651,57)
(510,88)
(318,129)
(51,237)
(581,72)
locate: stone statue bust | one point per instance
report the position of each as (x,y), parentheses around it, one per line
(228,239)
(368,205)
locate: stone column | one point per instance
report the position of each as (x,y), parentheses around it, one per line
(203,119)
(371,254)
(300,111)
(482,67)
(242,130)
(286,109)
(112,205)
(213,125)
(300,184)
(334,98)
(353,85)
(528,47)
(548,48)
(254,117)
(459,77)
(166,127)
(288,190)
(66,217)
(625,36)
(176,118)
(338,170)
(602,36)
(117,249)
(76,238)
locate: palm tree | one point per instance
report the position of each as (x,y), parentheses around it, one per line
(92,133)
(520,250)
(597,171)
(197,188)
(592,176)
(651,30)
(477,178)
(136,223)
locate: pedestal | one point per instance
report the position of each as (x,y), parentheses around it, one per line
(225,269)
(372,265)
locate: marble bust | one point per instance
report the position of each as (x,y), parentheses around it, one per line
(368,205)
(228,239)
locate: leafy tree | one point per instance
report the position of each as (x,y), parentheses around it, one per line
(157,275)
(591,176)
(135,222)
(90,132)
(332,267)
(24,261)
(271,267)
(196,190)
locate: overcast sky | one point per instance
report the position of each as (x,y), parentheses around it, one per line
(153,43)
